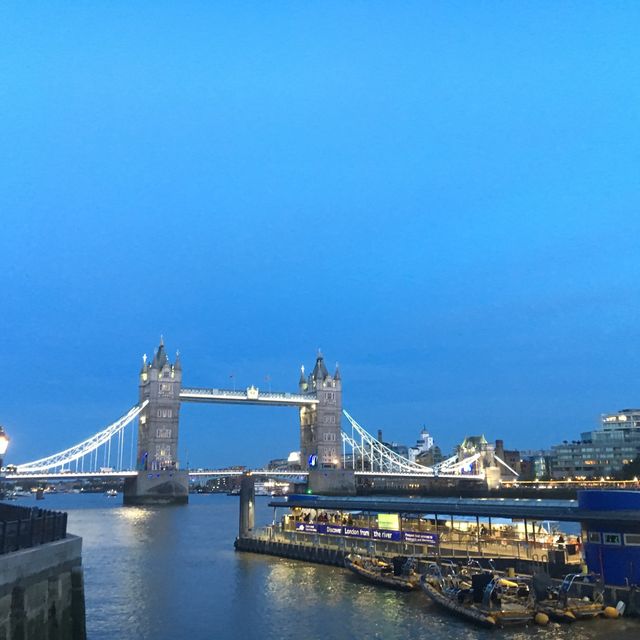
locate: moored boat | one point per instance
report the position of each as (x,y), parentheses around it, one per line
(480,598)
(400,573)
(560,606)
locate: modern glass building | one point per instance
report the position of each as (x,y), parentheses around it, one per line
(600,453)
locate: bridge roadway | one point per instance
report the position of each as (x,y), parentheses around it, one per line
(200,473)
(250,395)
(209,473)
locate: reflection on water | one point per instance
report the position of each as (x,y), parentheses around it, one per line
(171,573)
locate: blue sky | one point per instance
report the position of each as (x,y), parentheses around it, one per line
(444,197)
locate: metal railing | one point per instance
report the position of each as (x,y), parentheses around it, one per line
(450,542)
(25,527)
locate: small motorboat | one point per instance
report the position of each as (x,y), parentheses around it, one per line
(399,573)
(111,493)
(482,598)
(559,605)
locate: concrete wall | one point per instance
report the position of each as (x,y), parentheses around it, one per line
(42,593)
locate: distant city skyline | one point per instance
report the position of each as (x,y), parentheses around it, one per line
(444,198)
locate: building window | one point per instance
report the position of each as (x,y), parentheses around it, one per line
(594,536)
(162,451)
(329,437)
(329,456)
(163,433)
(611,538)
(165,413)
(165,388)
(632,539)
(330,396)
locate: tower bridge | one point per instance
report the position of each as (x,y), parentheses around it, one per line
(330,458)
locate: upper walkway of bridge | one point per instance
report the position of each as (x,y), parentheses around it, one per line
(250,395)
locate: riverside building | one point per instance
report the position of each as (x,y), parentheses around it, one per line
(600,453)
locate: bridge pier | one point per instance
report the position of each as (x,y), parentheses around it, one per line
(247,505)
(332,482)
(157,487)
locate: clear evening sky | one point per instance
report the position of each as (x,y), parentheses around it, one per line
(442,196)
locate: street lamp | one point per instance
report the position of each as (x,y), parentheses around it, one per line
(4,443)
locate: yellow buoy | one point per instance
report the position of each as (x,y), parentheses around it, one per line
(541,618)
(610,612)
(508,583)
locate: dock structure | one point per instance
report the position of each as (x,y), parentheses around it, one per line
(325,529)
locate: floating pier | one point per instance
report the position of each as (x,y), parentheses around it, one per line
(332,527)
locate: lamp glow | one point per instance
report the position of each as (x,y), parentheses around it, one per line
(4,441)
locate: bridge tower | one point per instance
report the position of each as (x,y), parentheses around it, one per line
(321,432)
(159,479)
(320,439)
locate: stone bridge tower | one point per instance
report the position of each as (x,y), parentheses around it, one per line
(320,432)
(159,479)
(160,383)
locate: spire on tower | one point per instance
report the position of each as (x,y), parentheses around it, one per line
(319,371)
(160,358)
(336,375)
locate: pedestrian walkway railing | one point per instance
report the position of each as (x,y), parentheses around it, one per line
(25,527)
(448,541)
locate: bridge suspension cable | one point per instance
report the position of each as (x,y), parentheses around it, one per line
(369,454)
(89,447)
(372,455)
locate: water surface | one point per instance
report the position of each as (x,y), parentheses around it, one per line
(157,573)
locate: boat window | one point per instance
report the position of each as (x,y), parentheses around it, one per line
(594,536)
(612,538)
(632,539)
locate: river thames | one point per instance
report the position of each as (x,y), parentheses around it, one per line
(172,573)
